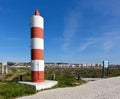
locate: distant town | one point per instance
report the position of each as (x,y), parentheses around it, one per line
(52,64)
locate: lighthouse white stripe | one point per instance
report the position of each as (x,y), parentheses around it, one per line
(37,21)
(37,43)
(37,65)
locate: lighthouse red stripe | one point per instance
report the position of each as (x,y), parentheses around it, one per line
(37,32)
(37,76)
(37,54)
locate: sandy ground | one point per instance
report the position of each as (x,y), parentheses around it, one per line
(100,89)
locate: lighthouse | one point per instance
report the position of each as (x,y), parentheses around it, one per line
(37,55)
(37,47)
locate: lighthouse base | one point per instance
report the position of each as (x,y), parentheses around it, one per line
(40,85)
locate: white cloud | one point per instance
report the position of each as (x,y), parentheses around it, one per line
(106,42)
(71,24)
(108,45)
(110,40)
(106,7)
(86,45)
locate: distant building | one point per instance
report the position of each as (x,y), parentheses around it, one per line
(62,64)
(50,64)
(84,65)
(8,63)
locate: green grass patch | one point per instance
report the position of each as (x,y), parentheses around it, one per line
(12,90)
(66,77)
(67,80)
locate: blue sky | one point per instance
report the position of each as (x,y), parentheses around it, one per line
(76,31)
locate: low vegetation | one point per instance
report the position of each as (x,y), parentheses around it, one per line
(66,77)
(83,72)
(67,80)
(12,89)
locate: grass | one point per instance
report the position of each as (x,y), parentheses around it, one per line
(14,74)
(12,89)
(67,80)
(66,77)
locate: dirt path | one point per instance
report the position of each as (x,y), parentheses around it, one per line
(100,89)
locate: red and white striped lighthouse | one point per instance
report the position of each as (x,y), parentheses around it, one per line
(37,47)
